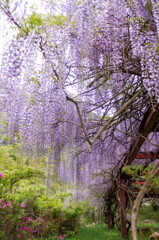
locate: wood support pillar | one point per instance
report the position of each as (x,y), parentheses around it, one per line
(109,218)
(123,208)
(148,124)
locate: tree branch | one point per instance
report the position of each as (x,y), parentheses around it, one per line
(116,115)
(80,117)
(138,200)
(98,135)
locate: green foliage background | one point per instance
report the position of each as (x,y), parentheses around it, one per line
(24,183)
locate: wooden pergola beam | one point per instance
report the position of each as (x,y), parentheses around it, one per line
(151,192)
(145,128)
(123,208)
(150,155)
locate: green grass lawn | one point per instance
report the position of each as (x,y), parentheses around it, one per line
(96,232)
(147,218)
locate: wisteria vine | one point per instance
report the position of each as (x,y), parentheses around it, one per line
(105,52)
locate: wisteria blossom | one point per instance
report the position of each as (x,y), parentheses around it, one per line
(76,82)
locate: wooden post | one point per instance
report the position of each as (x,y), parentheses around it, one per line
(109,218)
(123,208)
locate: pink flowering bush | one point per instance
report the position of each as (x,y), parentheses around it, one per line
(19,222)
(1,175)
(14,225)
(33,217)
(8,220)
(62,236)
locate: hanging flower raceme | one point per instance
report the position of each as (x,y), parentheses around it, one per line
(149,66)
(155,10)
(100,47)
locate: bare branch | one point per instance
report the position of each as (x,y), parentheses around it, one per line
(116,115)
(80,117)
(138,200)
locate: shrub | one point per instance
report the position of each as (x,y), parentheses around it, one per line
(30,213)
(154,206)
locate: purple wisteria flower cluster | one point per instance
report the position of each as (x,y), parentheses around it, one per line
(63,76)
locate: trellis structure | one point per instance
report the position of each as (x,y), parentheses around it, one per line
(148,125)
